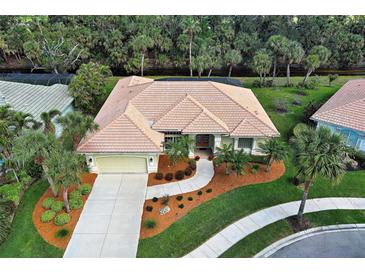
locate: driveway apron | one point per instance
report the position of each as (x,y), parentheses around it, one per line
(110,222)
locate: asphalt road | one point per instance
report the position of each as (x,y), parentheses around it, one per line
(335,244)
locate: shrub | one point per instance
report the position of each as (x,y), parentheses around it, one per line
(210,157)
(298,129)
(169,176)
(209,190)
(190,198)
(62,233)
(149,224)
(280,105)
(159,176)
(309,110)
(57,206)
(179,197)
(360,158)
(181,206)
(76,194)
(165,200)
(179,175)
(76,203)
(149,208)
(296,102)
(47,216)
(331,78)
(200,192)
(193,166)
(48,202)
(255,168)
(62,219)
(197,158)
(154,199)
(85,189)
(191,162)
(188,171)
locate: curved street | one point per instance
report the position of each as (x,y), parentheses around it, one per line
(329,244)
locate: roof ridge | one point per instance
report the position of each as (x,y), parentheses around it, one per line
(233,100)
(176,103)
(245,120)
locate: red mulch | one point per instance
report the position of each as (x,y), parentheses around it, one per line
(165,166)
(219,184)
(48,230)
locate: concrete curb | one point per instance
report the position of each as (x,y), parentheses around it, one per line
(268,251)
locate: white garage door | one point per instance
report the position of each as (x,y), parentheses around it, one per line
(121,164)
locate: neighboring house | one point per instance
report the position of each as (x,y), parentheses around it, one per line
(35,99)
(141,114)
(344,113)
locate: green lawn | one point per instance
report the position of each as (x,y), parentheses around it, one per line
(257,241)
(24,240)
(209,218)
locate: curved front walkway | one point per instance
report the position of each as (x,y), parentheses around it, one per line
(204,173)
(235,232)
(333,241)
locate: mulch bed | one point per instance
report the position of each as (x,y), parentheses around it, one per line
(165,166)
(219,184)
(48,230)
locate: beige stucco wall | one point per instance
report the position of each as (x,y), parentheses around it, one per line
(227,140)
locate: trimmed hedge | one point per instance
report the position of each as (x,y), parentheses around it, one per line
(76,203)
(76,194)
(48,216)
(62,219)
(57,206)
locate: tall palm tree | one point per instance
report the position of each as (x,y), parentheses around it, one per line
(225,155)
(48,126)
(275,151)
(232,58)
(240,159)
(141,43)
(187,144)
(318,153)
(190,25)
(75,127)
(179,150)
(65,168)
(23,121)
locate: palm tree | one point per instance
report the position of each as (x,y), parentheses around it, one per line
(294,53)
(48,126)
(225,155)
(318,153)
(23,120)
(277,45)
(141,43)
(187,144)
(275,151)
(190,25)
(232,58)
(240,159)
(75,127)
(65,168)
(179,150)
(35,146)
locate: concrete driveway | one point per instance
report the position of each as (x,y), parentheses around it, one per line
(110,222)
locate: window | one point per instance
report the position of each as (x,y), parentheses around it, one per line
(245,143)
(171,137)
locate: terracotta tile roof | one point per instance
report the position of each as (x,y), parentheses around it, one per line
(190,107)
(346,107)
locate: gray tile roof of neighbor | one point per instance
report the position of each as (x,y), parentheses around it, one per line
(34,99)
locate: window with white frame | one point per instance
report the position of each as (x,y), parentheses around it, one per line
(245,143)
(171,137)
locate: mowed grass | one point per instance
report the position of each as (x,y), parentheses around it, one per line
(24,240)
(257,241)
(209,218)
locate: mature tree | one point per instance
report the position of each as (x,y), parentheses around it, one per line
(3,48)
(247,44)
(352,49)
(232,58)
(65,167)
(36,146)
(75,126)
(88,87)
(311,63)
(318,153)
(190,25)
(214,59)
(239,160)
(294,53)
(200,63)
(140,44)
(225,155)
(261,64)
(24,121)
(277,44)
(47,117)
(275,151)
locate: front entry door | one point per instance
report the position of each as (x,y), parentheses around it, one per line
(202,140)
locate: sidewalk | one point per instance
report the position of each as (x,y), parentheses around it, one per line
(204,173)
(235,232)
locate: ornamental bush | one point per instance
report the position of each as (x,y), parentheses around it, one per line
(62,233)
(85,189)
(62,219)
(149,208)
(76,194)
(57,206)
(159,176)
(47,216)
(76,203)
(179,197)
(188,171)
(48,202)
(179,175)
(169,176)
(149,224)
(181,206)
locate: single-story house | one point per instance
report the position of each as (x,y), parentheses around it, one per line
(141,114)
(35,99)
(344,113)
